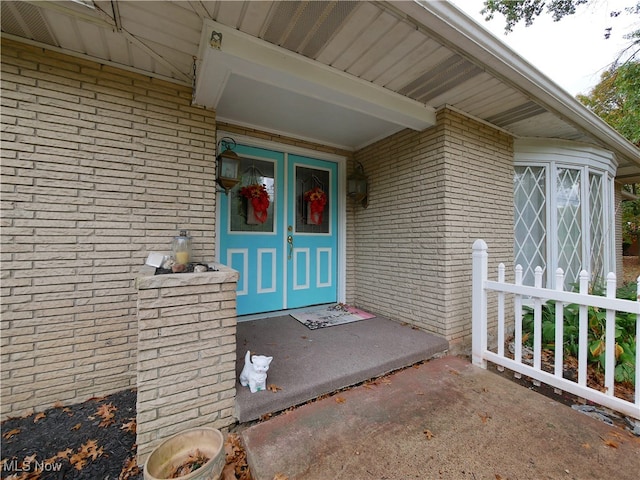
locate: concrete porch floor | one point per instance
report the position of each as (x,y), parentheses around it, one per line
(445,419)
(309,363)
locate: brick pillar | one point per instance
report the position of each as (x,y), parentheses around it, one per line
(186,353)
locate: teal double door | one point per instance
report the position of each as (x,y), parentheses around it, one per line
(287,256)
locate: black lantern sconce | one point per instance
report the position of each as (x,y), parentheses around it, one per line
(228,164)
(357,186)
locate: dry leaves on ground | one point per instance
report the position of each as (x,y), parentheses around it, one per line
(236,467)
(106,411)
(73,442)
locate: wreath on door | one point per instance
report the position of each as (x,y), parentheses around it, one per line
(257,195)
(316,200)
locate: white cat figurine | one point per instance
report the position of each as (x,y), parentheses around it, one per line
(254,374)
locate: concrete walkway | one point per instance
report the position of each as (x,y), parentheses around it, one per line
(445,419)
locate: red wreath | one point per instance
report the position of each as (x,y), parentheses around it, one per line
(317,200)
(259,197)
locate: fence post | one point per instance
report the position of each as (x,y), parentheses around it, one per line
(559,339)
(610,339)
(637,354)
(479,303)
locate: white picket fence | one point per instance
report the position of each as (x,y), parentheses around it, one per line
(537,295)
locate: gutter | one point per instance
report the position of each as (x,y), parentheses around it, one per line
(465,36)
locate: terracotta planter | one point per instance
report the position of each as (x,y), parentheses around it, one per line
(175,451)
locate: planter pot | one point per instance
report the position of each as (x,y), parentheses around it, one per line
(175,451)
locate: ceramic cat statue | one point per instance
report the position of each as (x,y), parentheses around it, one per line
(254,373)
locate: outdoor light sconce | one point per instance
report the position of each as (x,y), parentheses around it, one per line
(357,186)
(228,165)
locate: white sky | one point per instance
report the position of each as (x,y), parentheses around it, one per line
(573,51)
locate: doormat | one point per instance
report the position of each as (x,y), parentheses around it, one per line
(332,315)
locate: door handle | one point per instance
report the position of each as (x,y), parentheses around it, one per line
(290,242)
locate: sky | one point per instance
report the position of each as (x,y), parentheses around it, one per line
(573,51)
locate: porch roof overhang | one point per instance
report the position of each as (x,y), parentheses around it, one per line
(340,73)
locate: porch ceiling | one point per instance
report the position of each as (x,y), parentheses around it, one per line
(376,67)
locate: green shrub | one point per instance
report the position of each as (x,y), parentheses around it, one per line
(625,333)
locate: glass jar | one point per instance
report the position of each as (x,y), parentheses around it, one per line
(181,248)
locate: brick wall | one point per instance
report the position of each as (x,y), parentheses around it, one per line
(99,167)
(431,194)
(186,354)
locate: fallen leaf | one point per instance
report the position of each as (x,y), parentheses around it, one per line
(130,426)
(280,476)
(76,427)
(78,461)
(274,388)
(484,417)
(39,416)
(130,469)
(428,434)
(88,446)
(265,416)
(62,454)
(454,372)
(11,433)
(611,443)
(58,404)
(586,446)
(340,399)
(105,411)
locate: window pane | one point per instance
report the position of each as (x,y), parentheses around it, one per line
(242,216)
(530,220)
(312,200)
(597,227)
(569,224)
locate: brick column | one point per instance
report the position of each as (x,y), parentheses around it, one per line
(186,353)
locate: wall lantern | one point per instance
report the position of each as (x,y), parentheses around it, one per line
(357,187)
(228,165)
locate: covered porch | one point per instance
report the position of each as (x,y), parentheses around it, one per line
(310,363)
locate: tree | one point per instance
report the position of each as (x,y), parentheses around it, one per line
(528,10)
(616,99)
(515,11)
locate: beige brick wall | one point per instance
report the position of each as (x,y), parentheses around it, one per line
(431,195)
(99,167)
(186,354)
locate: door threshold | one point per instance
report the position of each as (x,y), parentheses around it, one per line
(280,313)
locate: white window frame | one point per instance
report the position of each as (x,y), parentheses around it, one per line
(553,156)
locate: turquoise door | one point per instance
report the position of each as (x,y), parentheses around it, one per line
(286,256)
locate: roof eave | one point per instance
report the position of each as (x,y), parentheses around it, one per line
(469,39)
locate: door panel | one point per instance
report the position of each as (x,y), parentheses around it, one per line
(290,259)
(314,241)
(253,248)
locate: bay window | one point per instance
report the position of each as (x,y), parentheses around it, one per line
(563,211)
